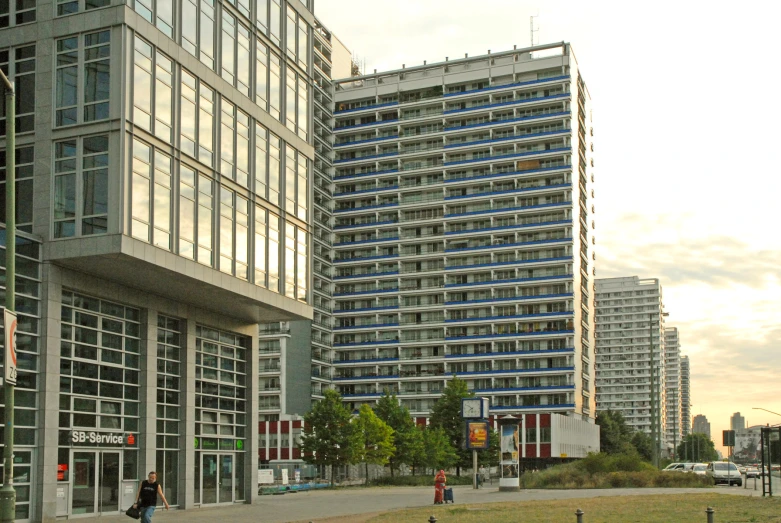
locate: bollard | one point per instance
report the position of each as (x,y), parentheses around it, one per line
(432,519)
(579,514)
(709,511)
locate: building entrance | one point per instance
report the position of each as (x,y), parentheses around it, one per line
(95,484)
(218,478)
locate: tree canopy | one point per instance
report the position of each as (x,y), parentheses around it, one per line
(697,447)
(446,414)
(407,440)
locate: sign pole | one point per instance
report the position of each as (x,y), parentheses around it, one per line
(7,492)
(475,481)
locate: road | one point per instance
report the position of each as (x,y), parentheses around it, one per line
(316,505)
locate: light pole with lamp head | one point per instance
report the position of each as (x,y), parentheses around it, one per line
(655,428)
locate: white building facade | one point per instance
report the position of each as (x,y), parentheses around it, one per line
(672,384)
(686,412)
(464,233)
(630,336)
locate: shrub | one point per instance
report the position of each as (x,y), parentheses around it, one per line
(418,481)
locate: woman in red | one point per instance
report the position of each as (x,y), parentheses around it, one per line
(439,487)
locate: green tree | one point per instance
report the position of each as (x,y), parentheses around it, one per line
(614,433)
(446,414)
(642,442)
(407,440)
(490,456)
(329,437)
(376,439)
(438,453)
(697,447)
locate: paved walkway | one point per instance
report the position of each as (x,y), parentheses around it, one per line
(318,505)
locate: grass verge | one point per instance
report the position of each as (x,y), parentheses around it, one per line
(635,509)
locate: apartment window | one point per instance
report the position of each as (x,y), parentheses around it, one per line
(242,5)
(197,118)
(235,53)
(18,11)
(261,158)
(301,267)
(261,13)
(151,195)
(82,78)
(260,245)
(275,86)
(18,64)
(157,12)
(81,186)
(234,147)
(261,75)
(25,157)
(152,90)
(205,220)
(66,7)
(234,234)
(273,252)
(187,215)
(296,100)
(275,21)
(274,168)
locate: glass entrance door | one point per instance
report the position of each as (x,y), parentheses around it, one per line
(217,476)
(95,482)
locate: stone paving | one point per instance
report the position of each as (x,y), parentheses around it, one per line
(316,506)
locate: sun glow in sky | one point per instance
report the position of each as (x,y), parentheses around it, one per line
(686,129)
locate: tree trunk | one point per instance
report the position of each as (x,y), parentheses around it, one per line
(332,474)
(458,471)
(367,473)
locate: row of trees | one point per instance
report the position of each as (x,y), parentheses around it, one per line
(387,435)
(616,437)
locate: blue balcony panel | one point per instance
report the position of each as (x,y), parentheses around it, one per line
(509,335)
(377,189)
(369,157)
(360,175)
(511,173)
(509,86)
(514,353)
(358,293)
(356,209)
(389,377)
(506,138)
(513,371)
(528,389)
(515,317)
(513,298)
(367,309)
(511,191)
(371,326)
(511,280)
(343,260)
(378,122)
(507,156)
(375,240)
(509,120)
(363,395)
(365,108)
(358,142)
(367,275)
(370,224)
(554,240)
(534,407)
(364,343)
(371,360)
(504,209)
(505,104)
(502,264)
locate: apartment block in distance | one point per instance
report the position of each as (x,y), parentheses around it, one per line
(672,384)
(463,237)
(165,152)
(686,416)
(630,326)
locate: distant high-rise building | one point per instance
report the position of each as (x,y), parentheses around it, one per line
(737,422)
(685,396)
(701,425)
(672,364)
(629,323)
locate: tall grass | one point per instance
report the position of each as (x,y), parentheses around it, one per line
(601,470)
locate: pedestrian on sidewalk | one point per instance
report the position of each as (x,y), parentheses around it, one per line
(439,487)
(146,499)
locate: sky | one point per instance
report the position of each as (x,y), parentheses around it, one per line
(684,137)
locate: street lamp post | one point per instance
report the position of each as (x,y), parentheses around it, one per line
(7,492)
(655,429)
(770,411)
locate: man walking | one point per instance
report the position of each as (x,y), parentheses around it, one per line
(146,499)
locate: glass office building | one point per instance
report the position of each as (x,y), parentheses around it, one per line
(164,159)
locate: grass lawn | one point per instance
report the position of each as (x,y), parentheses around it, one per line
(624,509)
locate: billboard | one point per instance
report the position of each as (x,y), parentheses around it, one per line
(477,435)
(747,445)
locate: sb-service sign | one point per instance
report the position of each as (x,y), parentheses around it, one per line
(10,323)
(85,438)
(477,435)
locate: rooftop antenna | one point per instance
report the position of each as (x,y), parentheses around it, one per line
(532,30)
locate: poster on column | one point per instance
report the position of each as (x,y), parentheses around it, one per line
(9,324)
(508,446)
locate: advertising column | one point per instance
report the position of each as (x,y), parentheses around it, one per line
(509,439)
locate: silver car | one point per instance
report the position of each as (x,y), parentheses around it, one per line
(723,472)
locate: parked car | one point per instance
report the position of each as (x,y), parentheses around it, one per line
(674,467)
(752,472)
(699,468)
(723,472)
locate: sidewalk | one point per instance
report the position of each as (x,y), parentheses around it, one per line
(318,505)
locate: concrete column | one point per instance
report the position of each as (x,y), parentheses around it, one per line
(251,454)
(186,446)
(44,495)
(147,459)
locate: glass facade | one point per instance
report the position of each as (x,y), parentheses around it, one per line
(170,344)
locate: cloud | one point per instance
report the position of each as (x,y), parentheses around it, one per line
(720,261)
